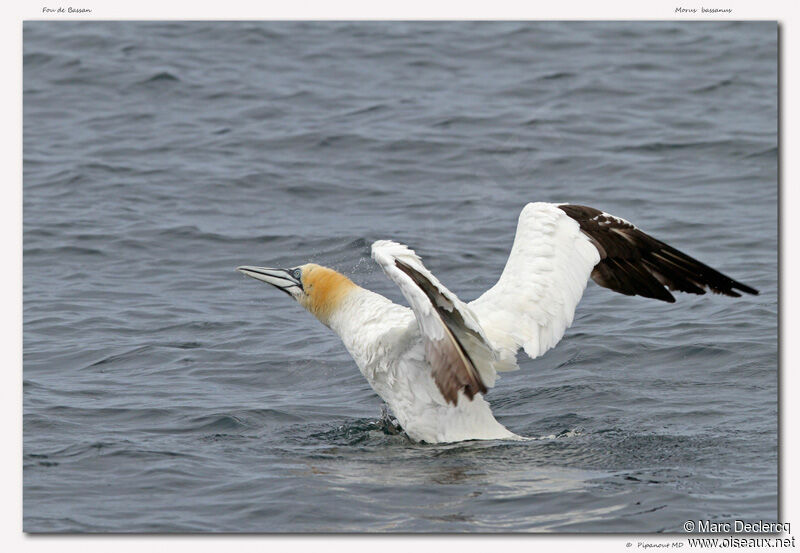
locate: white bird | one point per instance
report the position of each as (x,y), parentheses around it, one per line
(433,363)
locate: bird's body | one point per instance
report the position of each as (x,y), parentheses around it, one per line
(385,341)
(432,362)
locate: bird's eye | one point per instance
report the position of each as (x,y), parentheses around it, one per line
(296,274)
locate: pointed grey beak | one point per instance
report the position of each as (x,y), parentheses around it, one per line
(283,279)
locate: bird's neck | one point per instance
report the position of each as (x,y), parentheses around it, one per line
(362,318)
(353,311)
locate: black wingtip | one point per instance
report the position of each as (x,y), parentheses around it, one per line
(634,263)
(746,289)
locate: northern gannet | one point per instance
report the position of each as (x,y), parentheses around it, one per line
(433,363)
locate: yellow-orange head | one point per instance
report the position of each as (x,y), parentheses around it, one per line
(324,289)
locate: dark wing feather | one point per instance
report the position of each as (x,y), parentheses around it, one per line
(453,368)
(636,264)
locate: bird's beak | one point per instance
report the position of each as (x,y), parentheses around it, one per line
(279,278)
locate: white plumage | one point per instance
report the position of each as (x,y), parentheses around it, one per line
(432,363)
(534,301)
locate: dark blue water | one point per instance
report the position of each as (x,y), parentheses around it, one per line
(165,392)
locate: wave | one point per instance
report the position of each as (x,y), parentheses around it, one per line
(161,77)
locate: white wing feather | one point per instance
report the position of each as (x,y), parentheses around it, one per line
(484,357)
(534,301)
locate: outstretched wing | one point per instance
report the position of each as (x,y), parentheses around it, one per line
(556,249)
(455,345)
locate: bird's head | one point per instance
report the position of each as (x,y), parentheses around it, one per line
(319,289)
